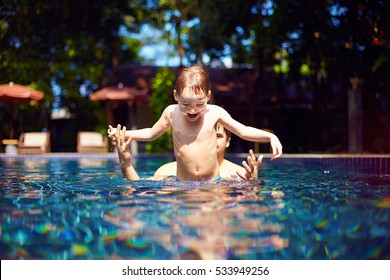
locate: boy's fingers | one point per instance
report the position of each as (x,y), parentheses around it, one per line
(276,152)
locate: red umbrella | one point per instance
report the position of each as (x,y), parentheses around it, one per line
(13,94)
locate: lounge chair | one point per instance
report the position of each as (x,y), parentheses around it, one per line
(34,143)
(91,142)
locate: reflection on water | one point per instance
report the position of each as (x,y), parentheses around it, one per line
(83,209)
(207,222)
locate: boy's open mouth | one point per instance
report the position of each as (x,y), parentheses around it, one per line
(192,116)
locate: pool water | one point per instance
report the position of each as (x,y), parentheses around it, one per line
(75,207)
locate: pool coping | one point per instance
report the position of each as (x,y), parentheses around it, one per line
(374,163)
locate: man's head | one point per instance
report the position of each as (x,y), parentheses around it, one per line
(223,141)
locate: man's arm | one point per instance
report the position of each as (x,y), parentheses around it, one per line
(124,154)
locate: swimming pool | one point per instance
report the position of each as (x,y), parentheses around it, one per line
(80,207)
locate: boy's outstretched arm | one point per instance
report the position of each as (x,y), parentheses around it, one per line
(147,134)
(251,133)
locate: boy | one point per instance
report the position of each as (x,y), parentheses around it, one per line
(227,169)
(193,123)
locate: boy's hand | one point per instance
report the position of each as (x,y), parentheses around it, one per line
(112,133)
(276,147)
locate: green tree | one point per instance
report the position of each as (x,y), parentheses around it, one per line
(162,87)
(74,47)
(67,46)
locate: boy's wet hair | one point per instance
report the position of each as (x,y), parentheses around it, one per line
(195,78)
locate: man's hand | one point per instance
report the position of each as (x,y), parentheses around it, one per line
(123,145)
(251,167)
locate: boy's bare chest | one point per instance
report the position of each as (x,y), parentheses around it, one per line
(185,132)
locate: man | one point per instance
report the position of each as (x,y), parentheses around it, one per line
(228,169)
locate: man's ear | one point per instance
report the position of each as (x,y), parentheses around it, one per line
(209,96)
(227,142)
(174,94)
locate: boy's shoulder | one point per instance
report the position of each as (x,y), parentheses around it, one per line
(215,108)
(171,107)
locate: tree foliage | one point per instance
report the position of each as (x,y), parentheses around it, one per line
(68,48)
(162,86)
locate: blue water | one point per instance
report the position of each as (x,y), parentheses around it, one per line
(82,208)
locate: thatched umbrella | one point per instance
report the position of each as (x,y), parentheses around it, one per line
(120,95)
(14,94)
(114,96)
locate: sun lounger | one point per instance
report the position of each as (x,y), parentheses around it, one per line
(34,143)
(91,142)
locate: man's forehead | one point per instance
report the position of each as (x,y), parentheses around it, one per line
(220,129)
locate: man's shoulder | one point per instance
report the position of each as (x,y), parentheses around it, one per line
(228,169)
(168,169)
